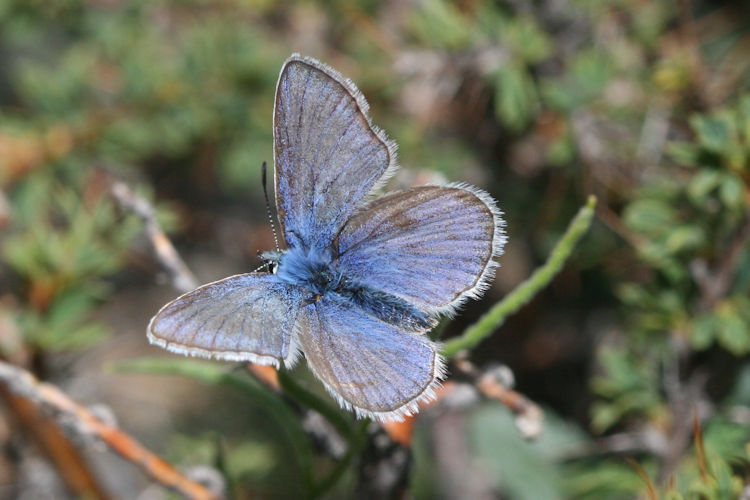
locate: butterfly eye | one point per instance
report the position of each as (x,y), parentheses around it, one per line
(271,260)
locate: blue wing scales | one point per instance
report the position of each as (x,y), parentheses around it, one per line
(328,157)
(370,366)
(433,246)
(248,317)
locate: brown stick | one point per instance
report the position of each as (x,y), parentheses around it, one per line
(179,274)
(715,286)
(529,416)
(24,384)
(72,468)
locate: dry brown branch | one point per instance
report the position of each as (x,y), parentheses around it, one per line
(70,465)
(529,417)
(5,210)
(493,384)
(650,487)
(650,440)
(716,284)
(180,276)
(87,425)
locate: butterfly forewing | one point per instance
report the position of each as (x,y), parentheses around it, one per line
(328,157)
(431,245)
(248,317)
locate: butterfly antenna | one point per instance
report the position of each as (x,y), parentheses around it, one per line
(268,207)
(265,264)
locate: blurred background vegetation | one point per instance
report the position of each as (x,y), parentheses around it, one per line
(643,103)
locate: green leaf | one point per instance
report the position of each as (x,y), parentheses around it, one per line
(611,479)
(732,332)
(556,93)
(515,96)
(702,331)
(524,470)
(744,119)
(70,306)
(592,70)
(76,336)
(687,154)
(727,486)
(732,192)
(441,23)
(529,42)
(218,374)
(714,133)
(652,217)
(604,415)
(702,184)
(249,459)
(682,238)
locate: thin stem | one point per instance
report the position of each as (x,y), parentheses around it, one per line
(214,374)
(85,423)
(438,331)
(356,443)
(309,400)
(524,292)
(180,275)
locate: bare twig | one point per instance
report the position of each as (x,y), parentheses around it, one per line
(493,383)
(180,276)
(700,448)
(649,440)
(654,134)
(715,285)
(689,40)
(650,487)
(5,210)
(86,425)
(67,459)
(683,397)
(529,417)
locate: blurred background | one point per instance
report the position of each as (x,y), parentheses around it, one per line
(647,329)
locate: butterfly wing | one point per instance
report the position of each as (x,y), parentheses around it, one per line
(248,317)
(433,246)
(369,366)
(328,157)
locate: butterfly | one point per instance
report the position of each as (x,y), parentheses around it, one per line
(360,280)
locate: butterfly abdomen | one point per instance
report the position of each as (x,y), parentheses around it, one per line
(318,274)
(385,306)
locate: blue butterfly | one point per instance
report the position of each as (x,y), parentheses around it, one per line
(360,280)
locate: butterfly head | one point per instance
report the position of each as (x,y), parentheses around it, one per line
(309,269)
(271,259)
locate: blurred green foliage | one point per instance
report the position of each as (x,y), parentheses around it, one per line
(62,255)
(643,103)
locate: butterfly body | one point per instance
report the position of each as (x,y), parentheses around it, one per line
(314,271)
(317,274)
(361,279)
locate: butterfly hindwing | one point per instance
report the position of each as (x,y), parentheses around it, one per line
(328,156)
(248,317)
(370,366)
